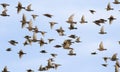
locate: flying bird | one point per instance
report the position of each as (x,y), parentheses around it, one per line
(30,70)
(71,53)
(111,18)
(5,69)
(52,24)
(82,21)
(19,7)
(23,21)
(102,30)
(34,16)
(8,49)
(109,7)
(4,13)
(92,11)
(114,57)
(29,8)
(70,20)
(21,53)
(101,47)
(116,2)
(13,42)
(4,5)
(48,15)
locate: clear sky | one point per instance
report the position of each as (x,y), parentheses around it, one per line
(61,10)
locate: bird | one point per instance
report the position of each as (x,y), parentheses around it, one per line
(34,38)
(52,24)
(72,36)
(105,65)
(109,7)
(30,25)
(50,40)
(4,5)
(5,69)
(78,40)
(21,53)
(117,63)
(26,43)
(36,30)
(43,33)
(72,27)
(30,70)
(82,21)
(111,18)
(4,14)
(57,46)
(105,59)
(97,22)
(116,68)
(56,65)
(43,51)
(116,2)
(41,42)
(101,47)
(13,42)
(114,57)
(60,31)
(92,11)
(48,15)
(70,20)
(29,8)
(102,30)
(19,7)
(93,53)
(8,49)
(53,55)
(34,16)
(71,53)
(23,21)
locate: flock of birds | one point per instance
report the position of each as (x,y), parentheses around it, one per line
(66,44)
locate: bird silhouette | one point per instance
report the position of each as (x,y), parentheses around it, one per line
(23,21)
(4,13)
(114,57)
(21,53)
(52,24)
(5,69)
(70,20)
(101,47)
(82,21)
(116,2)
(34,16)
(19,7)
(30,70)
(102,30)
(8,49)
(71,53)
(111,18)
(109,7)
(48,15)
(13,42)
(4,5)
(92,11)
(60,31)
(29,8)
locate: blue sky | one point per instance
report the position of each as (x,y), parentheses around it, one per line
(61,10)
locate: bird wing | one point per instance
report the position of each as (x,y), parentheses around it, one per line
(29,7)
(101,45)
(71,18)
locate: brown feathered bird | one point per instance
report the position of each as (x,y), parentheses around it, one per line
(111,18)
(101,47)
(92,11)
(21,53)
(13,42)
(102,30)
(5,69)
(4,13)
(116,2)
(52,24)
(48,15)
(70,20)
(29,8)
(109,7)
(4,5)
(82,21)
(34,16)
(19,7)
